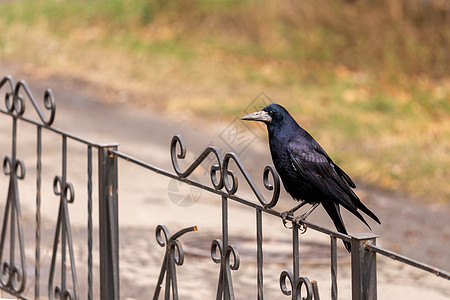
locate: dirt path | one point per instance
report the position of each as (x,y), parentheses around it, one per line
(415,229)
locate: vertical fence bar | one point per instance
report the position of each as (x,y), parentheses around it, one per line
(109,222)
(13,206)
(63,223)
(334,290)
(37,267)
(224,221)
(14,139)
(89,186)
(295,251)
(226,292)
(259,253)
(315,289)
(364,268)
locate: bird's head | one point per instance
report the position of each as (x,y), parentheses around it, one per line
(273,113)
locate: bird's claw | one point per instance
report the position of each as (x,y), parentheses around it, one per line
(299,222)
(284,216)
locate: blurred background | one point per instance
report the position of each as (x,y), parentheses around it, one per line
(370,80)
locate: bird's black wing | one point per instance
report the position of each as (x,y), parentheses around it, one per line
(316,168)
(317,148)
(354,198)
(344,176)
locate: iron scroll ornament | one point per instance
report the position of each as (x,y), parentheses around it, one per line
(174,255)
(63,234)
(215,168)
(296,287)
(15,101)
(9,96)
(232,188)
(13,277)
(223,257)
(222,167)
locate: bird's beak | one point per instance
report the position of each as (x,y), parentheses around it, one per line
(262,116)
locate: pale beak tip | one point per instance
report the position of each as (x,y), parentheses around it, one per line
(261,116)
(247,117)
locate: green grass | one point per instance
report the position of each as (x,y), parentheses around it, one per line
(370,83)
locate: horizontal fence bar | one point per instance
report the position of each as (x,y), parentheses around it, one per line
(324,230)
(409,261)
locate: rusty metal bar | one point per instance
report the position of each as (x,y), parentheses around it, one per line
(63,223)
(225,221)
(109,222)
(315,289)
(295,251)
(37,267)
(408,261)
(334,287)
(259,254)
(89,190)
(364,267)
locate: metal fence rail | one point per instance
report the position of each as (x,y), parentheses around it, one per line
(409,261)
(223,175)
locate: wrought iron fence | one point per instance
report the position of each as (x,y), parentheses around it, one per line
(224,184)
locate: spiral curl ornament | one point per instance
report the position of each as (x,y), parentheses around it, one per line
(275,186)
(295,288)
(9,96)
(18,169)
(228,259)
(17,279)
(173,246)
(176,252)
(159,238)
(286,275)
(174,255)
(269,175)
(216,251)
(63,294)
(66,190)
(16,104)
(63,235)
(231,250)
(217,181)
(4,274)
(12,278)
(231,255)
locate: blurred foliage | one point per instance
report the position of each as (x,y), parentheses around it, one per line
(369,79)
(386,37)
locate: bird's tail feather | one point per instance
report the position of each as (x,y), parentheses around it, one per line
(334,212)
(364,208)
(368,212)
(354,211)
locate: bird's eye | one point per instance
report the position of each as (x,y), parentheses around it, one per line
(270,112)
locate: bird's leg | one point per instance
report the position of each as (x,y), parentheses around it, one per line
(291,212)
(307,213)
(295,208)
